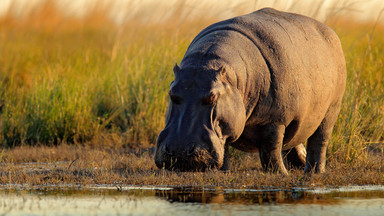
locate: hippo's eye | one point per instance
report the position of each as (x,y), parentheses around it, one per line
(211,99)
(175,99)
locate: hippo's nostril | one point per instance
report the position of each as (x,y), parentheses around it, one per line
(191,150)
(166,150)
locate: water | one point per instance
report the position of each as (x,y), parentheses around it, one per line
(103,200)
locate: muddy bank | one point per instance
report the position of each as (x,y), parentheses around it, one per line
(81,165)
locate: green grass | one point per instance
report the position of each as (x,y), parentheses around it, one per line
(70,86)
(70,81)
(360,126)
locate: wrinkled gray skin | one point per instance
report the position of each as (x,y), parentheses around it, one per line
(267,81)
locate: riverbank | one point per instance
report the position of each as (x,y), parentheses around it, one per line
(88,165)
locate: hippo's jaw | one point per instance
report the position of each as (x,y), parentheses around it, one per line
(200,162)
(198,159)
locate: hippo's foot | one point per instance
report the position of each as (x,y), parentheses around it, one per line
(295,157)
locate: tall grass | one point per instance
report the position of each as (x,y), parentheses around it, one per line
(75,80)
(60,83)
(360,126)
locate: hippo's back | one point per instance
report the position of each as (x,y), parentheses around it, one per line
(306,67)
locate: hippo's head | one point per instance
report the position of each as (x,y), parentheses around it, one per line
(205,112)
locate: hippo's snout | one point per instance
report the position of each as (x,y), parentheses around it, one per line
(192,157)
(187,151)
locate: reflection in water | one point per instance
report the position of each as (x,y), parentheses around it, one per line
(190,201)
(188,195)
(263,197)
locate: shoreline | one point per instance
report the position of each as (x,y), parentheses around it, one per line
(84,165)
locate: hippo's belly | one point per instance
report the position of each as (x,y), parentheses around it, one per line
(250,139)
(296,133)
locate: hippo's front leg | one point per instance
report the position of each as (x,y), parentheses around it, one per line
(270,148)
(226,161)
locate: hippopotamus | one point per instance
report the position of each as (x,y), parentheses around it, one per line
(265,82)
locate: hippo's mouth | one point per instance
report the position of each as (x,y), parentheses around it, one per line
(189,166)
(201,161)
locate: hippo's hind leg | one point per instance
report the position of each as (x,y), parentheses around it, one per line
(295,157)
(317,143)
(270,149)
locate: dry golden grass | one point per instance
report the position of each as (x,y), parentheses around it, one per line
(81,166)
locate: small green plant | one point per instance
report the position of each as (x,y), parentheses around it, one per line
(1,155)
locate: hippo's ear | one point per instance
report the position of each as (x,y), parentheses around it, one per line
(221,71)
(222,74)
(176,69)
